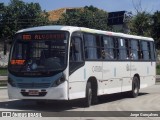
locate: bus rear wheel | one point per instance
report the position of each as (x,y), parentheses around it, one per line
(135,87)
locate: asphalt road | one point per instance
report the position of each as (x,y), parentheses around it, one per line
(148,100)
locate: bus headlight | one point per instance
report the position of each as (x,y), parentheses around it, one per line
(59,81)
(11,82)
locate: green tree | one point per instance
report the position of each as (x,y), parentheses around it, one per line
(156,28)
(90,17)
(1,17)
(1,11)
(141,24)
(18,15)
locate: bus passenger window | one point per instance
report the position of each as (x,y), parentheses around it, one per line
(134,50)
(152,53)
(123,50)
(145,50)
(108,47)
(92,47)
(76,50)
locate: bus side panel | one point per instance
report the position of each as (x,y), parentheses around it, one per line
(79,78)
(146,71)
(123,73)
(94,69)
(77,84)
(139,68)
(117,77)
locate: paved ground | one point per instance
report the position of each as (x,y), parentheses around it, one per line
(148,100)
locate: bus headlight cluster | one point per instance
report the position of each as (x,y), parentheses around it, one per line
(11,82)
(59,81)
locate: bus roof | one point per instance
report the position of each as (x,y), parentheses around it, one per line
(74,28)
(116,34)
(52,27)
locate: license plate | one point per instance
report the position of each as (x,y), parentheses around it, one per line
(33,92)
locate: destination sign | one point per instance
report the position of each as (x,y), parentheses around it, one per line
(42,36)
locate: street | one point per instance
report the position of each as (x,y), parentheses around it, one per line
(148,100)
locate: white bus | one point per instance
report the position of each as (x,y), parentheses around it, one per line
(65,63)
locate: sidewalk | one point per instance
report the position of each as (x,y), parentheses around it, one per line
(3,87)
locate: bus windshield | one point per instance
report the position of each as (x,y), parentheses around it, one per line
(39,53)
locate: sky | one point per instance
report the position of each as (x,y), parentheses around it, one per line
(107,5)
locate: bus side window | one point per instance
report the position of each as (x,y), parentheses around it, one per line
(140,56)
(134,50)
(123,44)
(92,47)
(108,48)
(76,50)
(152,51)
(116,48)
(145,50)
(76,59)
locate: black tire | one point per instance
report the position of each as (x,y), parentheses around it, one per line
(88,98)
(94,96)
(135,87)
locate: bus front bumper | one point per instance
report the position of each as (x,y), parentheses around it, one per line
(53,93)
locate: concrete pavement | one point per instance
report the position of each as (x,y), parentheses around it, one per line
(148,100)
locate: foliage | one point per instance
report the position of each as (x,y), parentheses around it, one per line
(156,28)
(158,69)
(141,24)
(1,13)
(18,15)
(3,71)
(146,24)
(90,17)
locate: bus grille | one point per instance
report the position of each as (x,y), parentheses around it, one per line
(34,85)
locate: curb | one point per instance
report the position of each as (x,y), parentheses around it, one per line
(3,87)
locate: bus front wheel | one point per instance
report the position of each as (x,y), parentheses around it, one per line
(88,98)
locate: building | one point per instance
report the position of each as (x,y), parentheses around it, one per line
(118,21)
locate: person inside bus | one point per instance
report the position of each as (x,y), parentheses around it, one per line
(109,55)
(49,61)
(133,55)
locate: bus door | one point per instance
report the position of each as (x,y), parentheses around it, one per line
(76,67)
(111,79)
